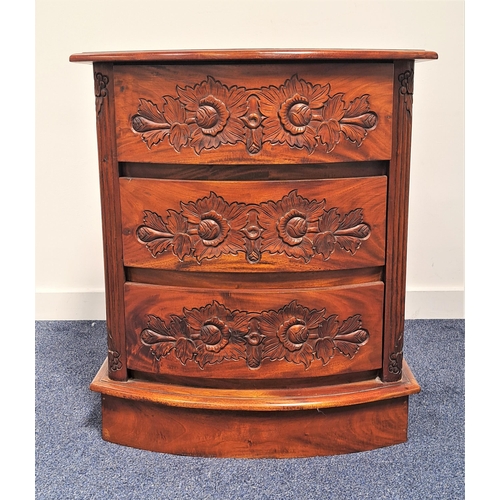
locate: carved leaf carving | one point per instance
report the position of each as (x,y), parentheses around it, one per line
(350,324)
(184,350)
(297,113)
(325,346)
(350,336)
(329,130)
(294,226)
(214,334)
(150,122)
(176,222)
(328,327)
(173,110)
(325,349)
(158,336)
(334,108)
(353,219)
(358,119)
(179,135)
(324,244)
(154,233)
(181,246)
(154,221)
(329,134)
(354,133)
(358,107)
(148,112)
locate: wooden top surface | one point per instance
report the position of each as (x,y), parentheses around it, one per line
(251,55)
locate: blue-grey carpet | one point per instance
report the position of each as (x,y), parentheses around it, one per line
(73,462)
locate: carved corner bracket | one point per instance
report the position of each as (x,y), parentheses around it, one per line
(395,365)
(114,362)
(406,88)
(100,90)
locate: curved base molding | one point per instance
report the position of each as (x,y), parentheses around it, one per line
(269,423)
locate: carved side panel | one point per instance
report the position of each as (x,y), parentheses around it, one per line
(111,220)
(397,223)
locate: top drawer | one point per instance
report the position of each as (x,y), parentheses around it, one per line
(263,113)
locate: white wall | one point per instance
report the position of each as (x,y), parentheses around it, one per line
(69,269)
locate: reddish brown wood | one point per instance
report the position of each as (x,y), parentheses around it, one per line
(330,393)
(241,434)
(255,210)
(253,172)
(254,113)
(256,424)
(254,226)
(240,334)
(235,280)
(252,55)
(111,219)
(397,223)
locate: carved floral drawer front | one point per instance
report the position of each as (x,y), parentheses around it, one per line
(271,334)
(258,226)
(266,113)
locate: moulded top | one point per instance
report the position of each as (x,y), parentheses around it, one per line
(251,55)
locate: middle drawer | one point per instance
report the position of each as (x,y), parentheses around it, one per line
(257,226)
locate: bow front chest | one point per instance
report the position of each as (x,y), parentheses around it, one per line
(254,211)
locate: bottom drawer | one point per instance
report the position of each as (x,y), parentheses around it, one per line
(253,334)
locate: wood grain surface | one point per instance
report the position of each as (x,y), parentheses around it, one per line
(282,423)
(114,272)
(251,55)
(255,435)
(244,334)
(255,218)
(264,113)
(397,223)
(297,226)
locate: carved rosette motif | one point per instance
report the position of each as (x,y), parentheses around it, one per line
(297,113)
(294,226)
(213,334)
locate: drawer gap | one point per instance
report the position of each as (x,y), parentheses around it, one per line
(217,280)
(242,384)
(253,172)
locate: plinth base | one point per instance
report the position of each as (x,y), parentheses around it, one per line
(273,423)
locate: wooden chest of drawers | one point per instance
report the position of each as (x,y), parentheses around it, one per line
(254,208)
